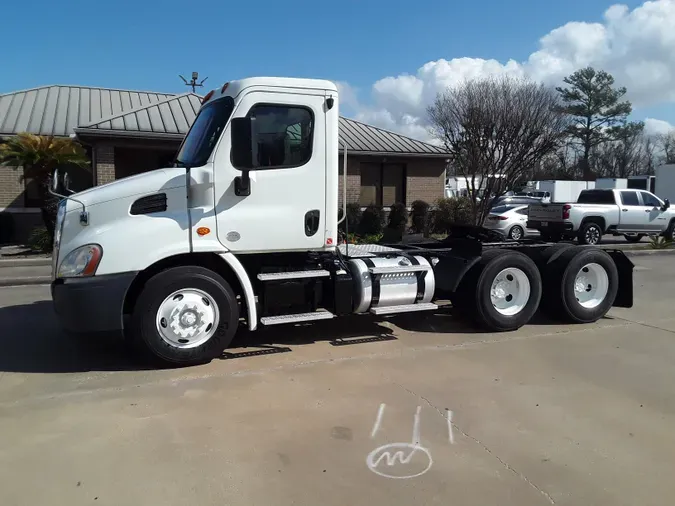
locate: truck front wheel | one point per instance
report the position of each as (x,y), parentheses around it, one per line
(185,316)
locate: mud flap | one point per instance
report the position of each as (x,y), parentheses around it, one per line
(624,296)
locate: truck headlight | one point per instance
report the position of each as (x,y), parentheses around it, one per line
(82,261)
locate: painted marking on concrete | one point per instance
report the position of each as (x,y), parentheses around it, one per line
(395,460)
(378,420)
(451,436)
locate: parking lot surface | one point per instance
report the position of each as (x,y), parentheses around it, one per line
(401,411)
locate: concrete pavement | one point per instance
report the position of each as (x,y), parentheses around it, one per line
(551,414)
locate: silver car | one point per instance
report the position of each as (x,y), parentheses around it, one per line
(509,220)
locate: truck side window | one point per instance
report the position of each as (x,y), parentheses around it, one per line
(650,200)
(629,199)
(282,134)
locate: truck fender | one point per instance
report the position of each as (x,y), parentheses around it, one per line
(600,220)
(451,269)
(246,286)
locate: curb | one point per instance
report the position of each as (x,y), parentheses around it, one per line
(647,252)
(24,262)
(33,280)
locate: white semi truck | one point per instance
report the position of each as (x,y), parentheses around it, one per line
(243,230)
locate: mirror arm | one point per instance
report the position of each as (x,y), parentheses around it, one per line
(242,184)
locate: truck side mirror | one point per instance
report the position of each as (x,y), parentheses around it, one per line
(242,143)
(666,204)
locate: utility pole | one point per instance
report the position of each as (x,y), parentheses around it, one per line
(193,82)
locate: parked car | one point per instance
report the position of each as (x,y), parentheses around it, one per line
(510,221)
(631,213)
(514,200)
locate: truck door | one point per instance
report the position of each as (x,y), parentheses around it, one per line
(286,207)
(657,221)
(632,216)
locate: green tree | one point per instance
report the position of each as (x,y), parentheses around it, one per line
(597,110)
(39,155)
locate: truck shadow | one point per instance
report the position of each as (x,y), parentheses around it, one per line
(32,342)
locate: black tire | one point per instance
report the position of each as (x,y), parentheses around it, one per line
(634,238)
(162,285)
(479,284)
(520,233)
(590,233)
(560,301)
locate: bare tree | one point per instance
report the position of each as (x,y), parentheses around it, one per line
(666,145)
(497,131)
(623,157)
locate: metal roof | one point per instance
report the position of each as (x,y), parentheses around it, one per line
(58,110)
(367,139)
(172,115)
(61,110)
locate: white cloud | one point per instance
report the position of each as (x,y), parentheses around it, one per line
(637,47)
(657,126)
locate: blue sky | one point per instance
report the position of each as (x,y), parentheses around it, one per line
(145,44)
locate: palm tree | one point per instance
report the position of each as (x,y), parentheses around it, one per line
(39,155)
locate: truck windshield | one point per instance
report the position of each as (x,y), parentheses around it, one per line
(204,134)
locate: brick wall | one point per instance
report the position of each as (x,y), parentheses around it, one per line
(105,164)
(425,178)
(11,187)
(353,179)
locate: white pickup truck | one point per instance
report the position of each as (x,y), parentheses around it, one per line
(631,213)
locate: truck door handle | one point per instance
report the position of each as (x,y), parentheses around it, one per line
(648,210)
(312,222)
(625,210)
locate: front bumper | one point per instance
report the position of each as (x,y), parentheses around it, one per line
(93,304)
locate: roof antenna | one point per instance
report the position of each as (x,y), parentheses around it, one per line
(193,82)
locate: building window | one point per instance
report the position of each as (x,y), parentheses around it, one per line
(282,135)
(382,184)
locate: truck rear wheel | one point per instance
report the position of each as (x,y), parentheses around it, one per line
(185,316)
(580,286)
(506,292)
(590,233)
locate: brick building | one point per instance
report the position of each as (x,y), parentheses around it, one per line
(126,132)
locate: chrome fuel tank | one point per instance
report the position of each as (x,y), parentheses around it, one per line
(391,281)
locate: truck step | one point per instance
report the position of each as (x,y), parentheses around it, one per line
(405,308)
(278,276)
(402,269)
(295,318)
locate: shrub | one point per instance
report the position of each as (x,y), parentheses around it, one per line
(449,212)
(353,217)
(371,239)
(371,221)
(420,214)
(660,243)
(40,240)
(398,217)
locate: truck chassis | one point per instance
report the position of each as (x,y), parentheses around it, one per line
(189,313)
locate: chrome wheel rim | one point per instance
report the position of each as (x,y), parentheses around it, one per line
(592,235)
(591,285)
(510,291)
(516,233)
(187,318)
